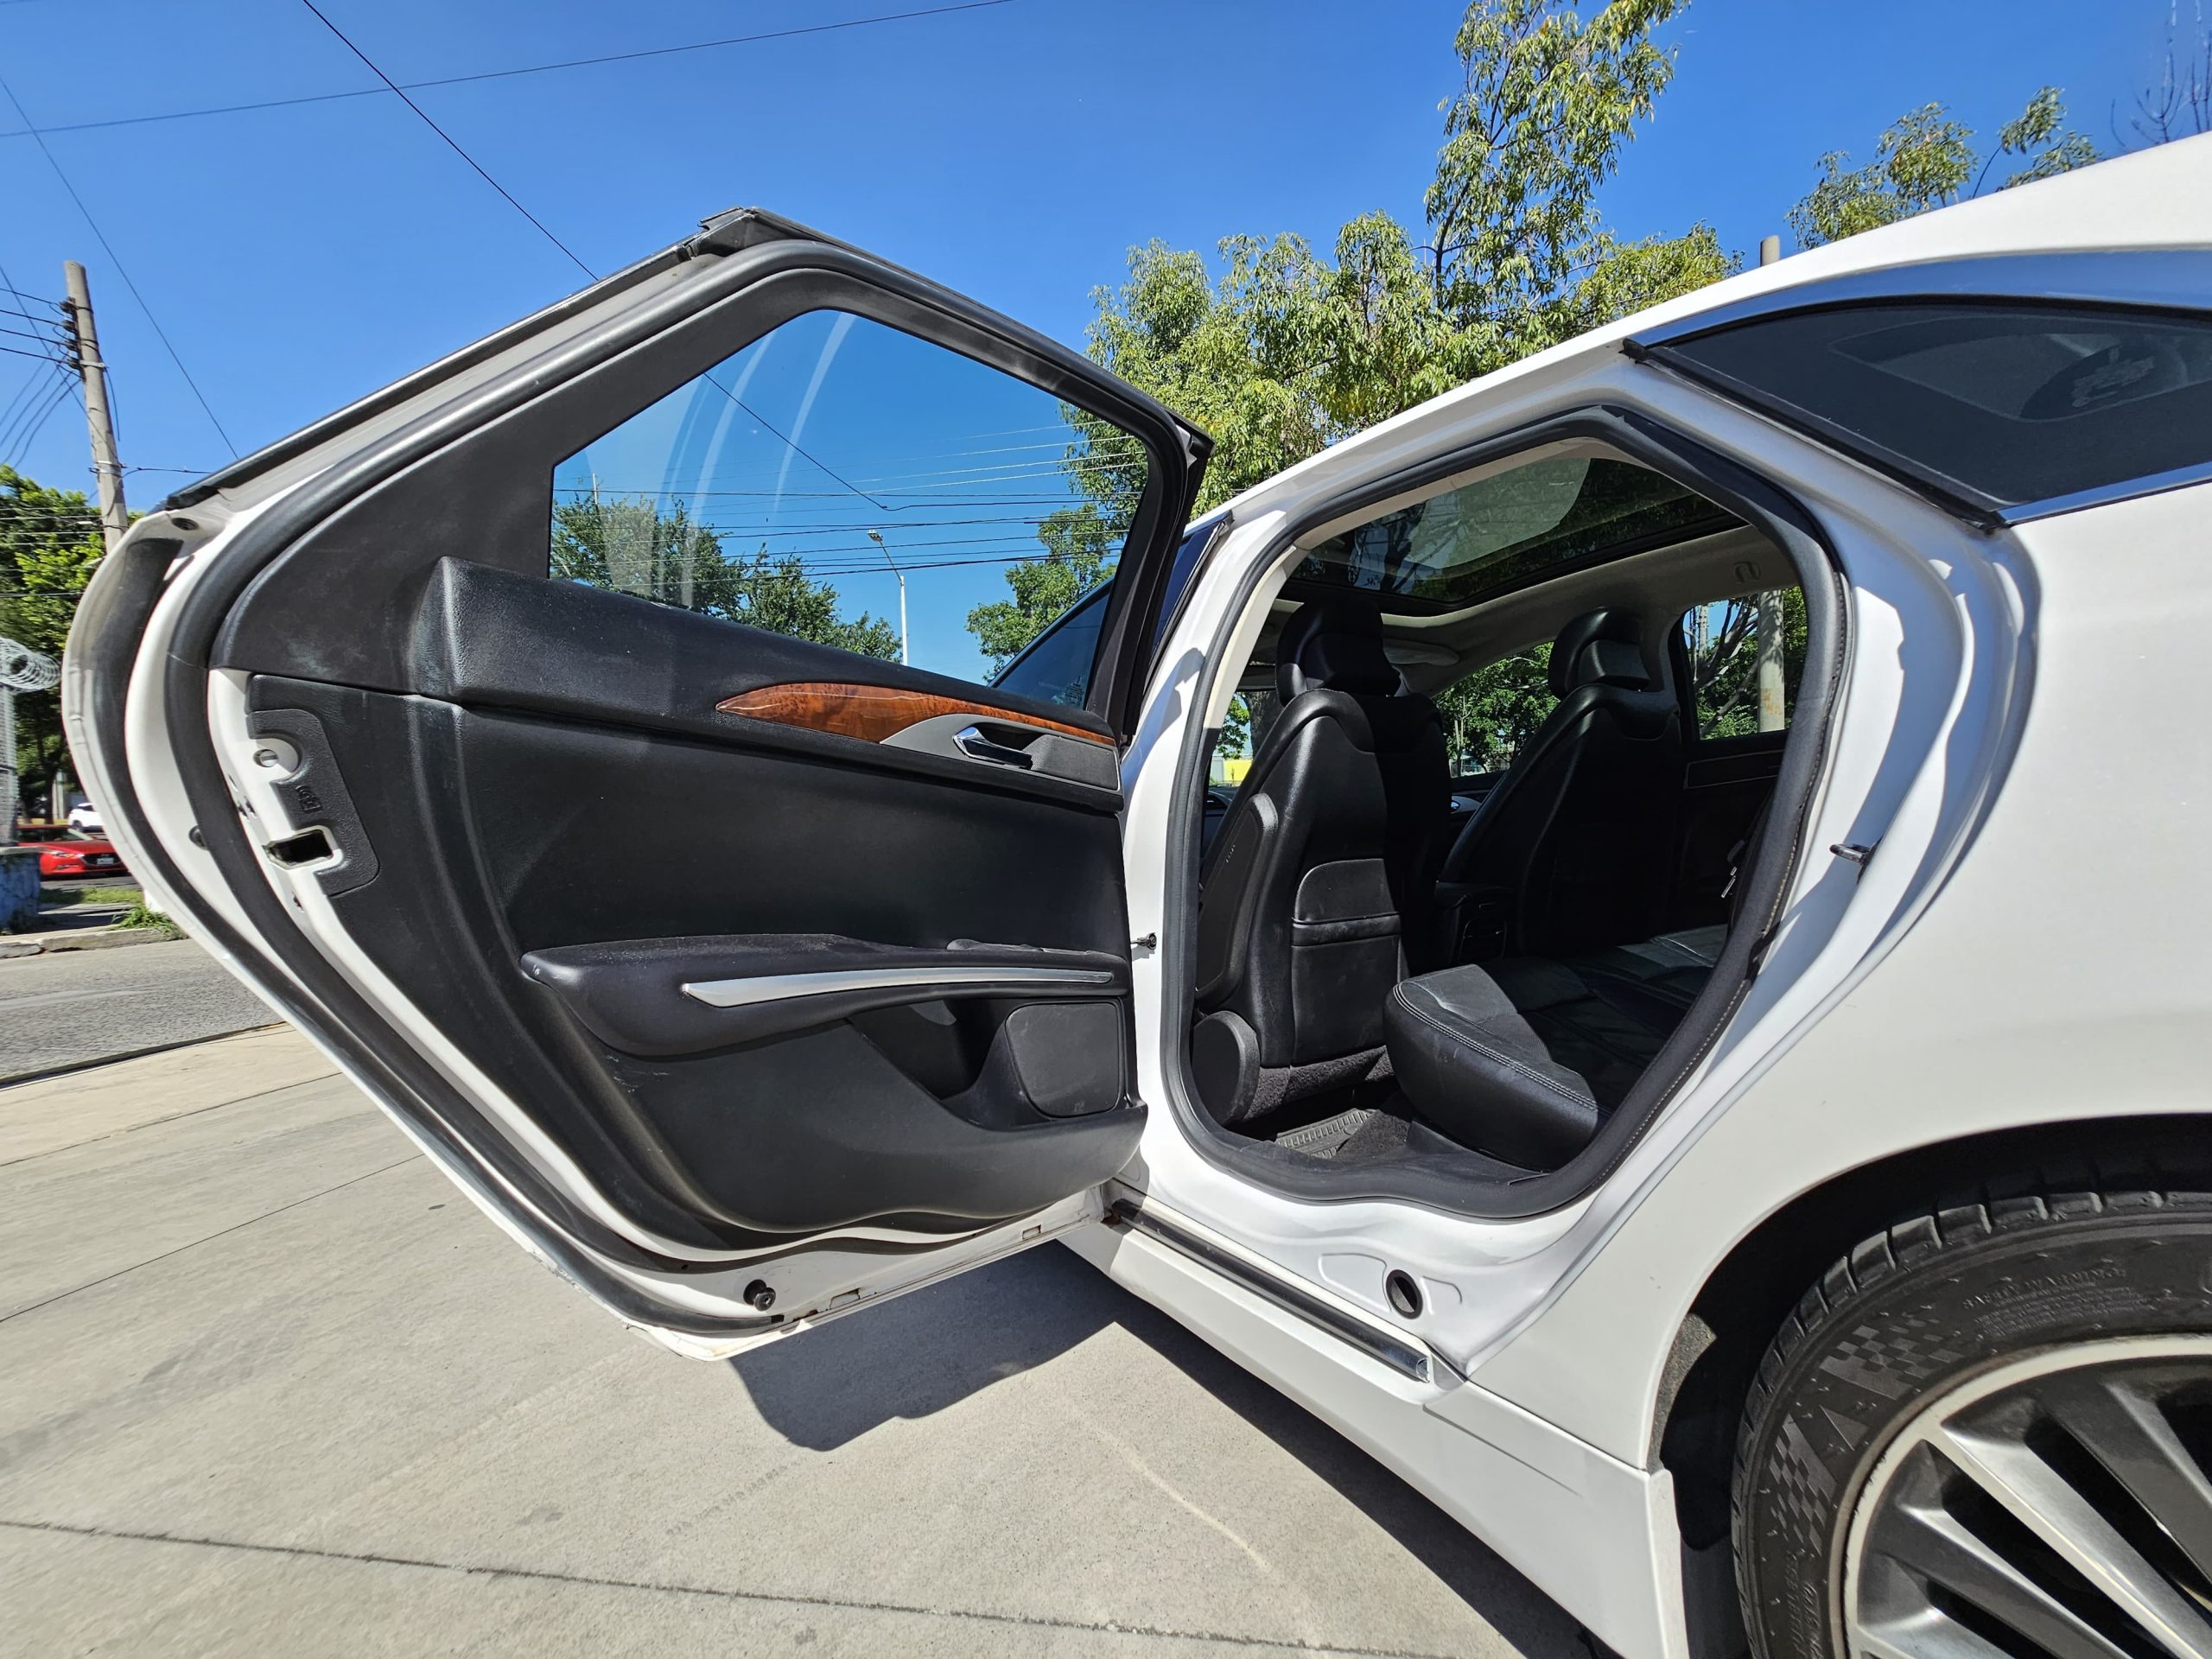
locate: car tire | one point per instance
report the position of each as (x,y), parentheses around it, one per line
(1951,1401)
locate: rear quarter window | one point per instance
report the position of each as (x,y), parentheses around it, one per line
(1994,405)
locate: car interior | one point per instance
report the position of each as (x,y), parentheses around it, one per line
(1472,833)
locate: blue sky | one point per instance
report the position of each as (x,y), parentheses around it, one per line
(297,257)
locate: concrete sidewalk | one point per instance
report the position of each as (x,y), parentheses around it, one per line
(268,1383)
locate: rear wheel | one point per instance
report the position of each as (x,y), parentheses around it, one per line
(1987,1434)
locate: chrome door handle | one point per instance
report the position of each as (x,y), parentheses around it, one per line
(971,742)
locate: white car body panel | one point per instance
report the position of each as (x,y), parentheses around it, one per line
(2057,974)
(1860,1042)
(1584,1525)
(2090,992)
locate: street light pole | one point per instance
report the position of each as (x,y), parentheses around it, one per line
(876,536)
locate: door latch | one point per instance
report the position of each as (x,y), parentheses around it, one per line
(1856,854)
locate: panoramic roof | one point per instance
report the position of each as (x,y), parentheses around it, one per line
(1562,513)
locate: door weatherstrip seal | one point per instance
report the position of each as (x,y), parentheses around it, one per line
(1407,1356)
(746,992)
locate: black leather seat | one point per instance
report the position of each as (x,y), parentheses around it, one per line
(1525,1057)
(1574,842)
(1327,855)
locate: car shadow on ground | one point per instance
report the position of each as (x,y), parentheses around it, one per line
(931,1349)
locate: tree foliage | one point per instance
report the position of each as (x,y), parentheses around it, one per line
(1546,103)
(633,547)
(1926,159)
(1288,350)
(1722,643)
(1490,716)
(1080,547)
(50,544)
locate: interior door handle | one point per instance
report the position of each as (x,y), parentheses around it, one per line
(971,742)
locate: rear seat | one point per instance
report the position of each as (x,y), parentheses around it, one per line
(1525,1057)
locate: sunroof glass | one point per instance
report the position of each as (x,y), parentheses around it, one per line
(1507,530)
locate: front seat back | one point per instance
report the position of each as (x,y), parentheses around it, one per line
(1324,862)
(1576,835)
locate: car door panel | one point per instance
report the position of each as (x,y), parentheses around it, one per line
(473,482)
(686,944)
(610,864)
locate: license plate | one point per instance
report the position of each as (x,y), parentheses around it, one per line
(101,861)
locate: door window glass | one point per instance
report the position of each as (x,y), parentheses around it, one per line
(2006,405)
(1490,716)
(845,482)
(1056,666)
(1744,656)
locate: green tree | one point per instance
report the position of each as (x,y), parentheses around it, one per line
(1288,350)
(1926,160)
(1722,643)
(1081,547)
(631,546)
(1490,716)
(1546,103)
(50,544)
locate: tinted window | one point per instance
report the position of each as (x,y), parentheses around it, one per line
(1187,552)
(845,482)
(1490,716)
(1057,666)
(1744,656)
(1506,531)
(2002,405)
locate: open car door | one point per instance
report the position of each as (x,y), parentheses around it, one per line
(743,977)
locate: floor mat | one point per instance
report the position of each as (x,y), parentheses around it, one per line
(1383,1135)
(1328,1137)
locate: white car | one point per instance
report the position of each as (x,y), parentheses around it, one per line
(1744,1155)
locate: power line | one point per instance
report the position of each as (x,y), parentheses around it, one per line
(45,414)
(21,407)
(160,332)
(449,137)
(27,129)
(570,253)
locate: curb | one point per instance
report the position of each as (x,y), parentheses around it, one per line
(36,945)
(94,1065)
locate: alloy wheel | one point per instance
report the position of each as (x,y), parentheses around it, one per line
(2058,1506)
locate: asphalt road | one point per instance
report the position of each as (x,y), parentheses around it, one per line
(268,1384)
(78,1005)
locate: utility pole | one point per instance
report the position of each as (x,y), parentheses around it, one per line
(107,466)
(876,536)
(1774,709)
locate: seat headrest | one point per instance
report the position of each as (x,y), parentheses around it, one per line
(1337,643)
(1600,647)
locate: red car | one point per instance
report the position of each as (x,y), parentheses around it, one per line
(60,853)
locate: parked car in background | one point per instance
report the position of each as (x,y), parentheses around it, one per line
(85,818)
(61,854)
(1751,1166)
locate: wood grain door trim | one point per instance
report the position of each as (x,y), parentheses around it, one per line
(873,713)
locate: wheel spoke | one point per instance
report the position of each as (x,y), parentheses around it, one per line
(1929,1543)
(2123,1428)
(1916,1628)
(2044,1501)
